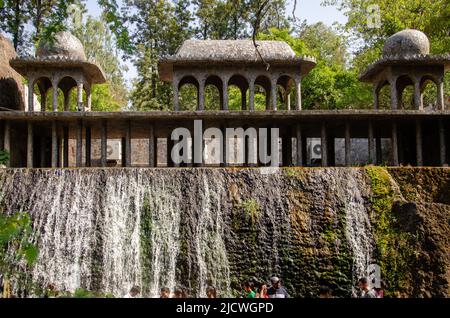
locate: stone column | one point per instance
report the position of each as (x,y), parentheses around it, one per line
(54,162)
(43,101)
(79,149)
(419,153)
(273,94)
(288,100)
(324,145)
(128,144)
(65,147)
(243,99)
(88,146)
(440,95)
(7,141)
(30,94)
(80,103)
(376,102)
(442,147)
(251,98)
(55,96)
(370,144)
(395,158)
(347,145)
(88,99)
(225,93)
(299,150)
(175,83)
(152,147)
(104,143)
(224,162)
(30,149)
(298,94)
(201,94)
(394,95)
(417,95)
(66,100)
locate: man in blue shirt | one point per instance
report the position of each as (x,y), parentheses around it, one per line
(276,290)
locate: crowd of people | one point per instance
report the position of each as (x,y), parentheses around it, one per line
(249,290)
(261,290)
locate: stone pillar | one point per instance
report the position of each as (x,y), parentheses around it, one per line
(370,144)
(30,149)
(224,93)
(243,99)
(88,146)
(175,83)
(251,88)
(419,151)
(54,162)
(442,147)
(440,95)
(201,94)
(394,95)
(65,147)
(30,94)
(376,102)
(43,101)
(298,94)
(152,147)
(104,143)
(287,148)
(88,99)
(288,100)
(418,101)
(66,100)
(299,150)
(128,144)
(224,162)
(80,103)
(394,138)
(79,149)
(347,145)
(7,141)
(55,96)
(273,94)
(324,145)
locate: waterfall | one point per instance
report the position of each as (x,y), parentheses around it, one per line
(358,228)
(107,230)
(91,235)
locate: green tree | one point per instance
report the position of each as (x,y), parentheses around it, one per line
(100,45)
(17,250)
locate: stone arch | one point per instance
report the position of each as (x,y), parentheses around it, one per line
(383,95)
(41,86)
(262,87)
(405,95)
(214,93)
(428,93)
(241,83)
(187,87)
(285,84)
(67,84)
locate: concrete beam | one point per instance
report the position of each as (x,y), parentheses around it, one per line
(104,143)
(30,146)
(54,159)
(419,151)
(324,145)
(394,144)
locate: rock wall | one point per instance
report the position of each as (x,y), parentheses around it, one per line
(108,229)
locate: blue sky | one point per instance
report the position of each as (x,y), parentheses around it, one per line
(309,10)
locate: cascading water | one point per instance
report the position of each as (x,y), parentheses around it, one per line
(358,227)
(109,229)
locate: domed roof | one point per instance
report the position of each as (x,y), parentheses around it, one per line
(64,45)
(407,42)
